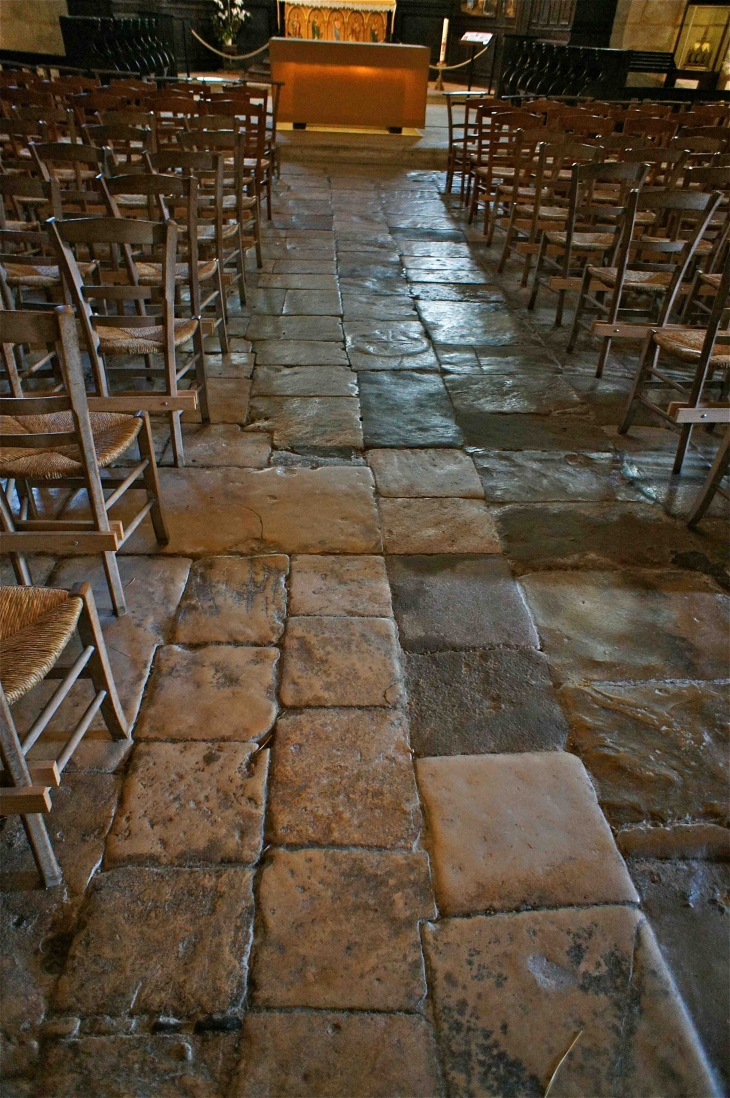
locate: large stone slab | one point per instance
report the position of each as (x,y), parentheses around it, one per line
(540,476)
(471,323)
(450,525)
(686,904)
(210,445)
(166,1066)
(304,381)
(191,804)
(292,510)
(496,431)
(312,303)
(340,661)
(229,600)
(658,752)
(653,625)
(367,307)
(342,777)
(291,352)
(444,602)
(388,345)
(317,422)
(228,400)
(468,703)
(338,930)
(613,535)
(512,992)
(328,1054)
(168,941)
(325,328)
(429,473)
(216,693)
(518,830)
(326,282)
(541,393)
(238,364)
(406,409)
(339,586)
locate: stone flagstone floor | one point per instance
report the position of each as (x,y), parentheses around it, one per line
(428,689)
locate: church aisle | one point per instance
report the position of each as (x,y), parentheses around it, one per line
(428,655)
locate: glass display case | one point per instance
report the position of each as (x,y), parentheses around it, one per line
(703,39)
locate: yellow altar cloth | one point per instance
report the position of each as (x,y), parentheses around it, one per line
(338,20)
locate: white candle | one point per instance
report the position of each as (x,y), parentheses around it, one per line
(444,40)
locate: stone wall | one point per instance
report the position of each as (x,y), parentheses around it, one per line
(32,27)
(647,24)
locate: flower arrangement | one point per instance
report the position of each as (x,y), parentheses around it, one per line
(229,17)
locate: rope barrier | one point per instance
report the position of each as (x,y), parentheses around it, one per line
(229,56)
(461,64)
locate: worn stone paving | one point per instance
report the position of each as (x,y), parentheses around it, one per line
(429,775)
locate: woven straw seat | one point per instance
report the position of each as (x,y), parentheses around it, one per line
(68,175)
(141,341)
(589,242)
(687,347)
(551,213)
(113,434)
(36,624)
(504,171)
(230,201)
(649,280)
(23,274)
(522,192)
(150,274)
(207,232)
(23,226)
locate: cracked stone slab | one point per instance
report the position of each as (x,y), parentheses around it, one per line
(83,810)
(304,381)
(233,600)
(317,421)
(297,352)
(165,941)
(406,409)
(654,625)
(469,703)
(429,473)
(338,930)
(494,431)
(523,476)
(191,804)
(342,777)
(518,830)
(215,693)
(451,525)
(337,661)
(324,328)
(657,751)
(291,510)
(459,602)
(167,1066)
(339,586)
(208,446)
(328,1054)
(511,993)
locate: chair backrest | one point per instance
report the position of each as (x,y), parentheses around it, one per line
(19,327)
(708,178)
(127,143)
(665,165)
(20,185)
(56,155)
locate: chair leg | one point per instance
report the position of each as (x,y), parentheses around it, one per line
(34,824)
(178,450)
(538,271)
(603,357)
(114,582)
(647,362)
(99,667)
(526,272)
(18,561)
(151,480)
(575,330)
(706,493)
(221,312)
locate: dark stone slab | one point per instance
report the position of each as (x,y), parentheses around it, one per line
(495,431)
(297,352)
(443,291)
(471,703)
(472,323)
(365,307)
(433,248)
(407,408)
(687,905)
(539,476)
(383,287)
(426,234)
(458,602)
(610,535)
(657,751)
(540,392)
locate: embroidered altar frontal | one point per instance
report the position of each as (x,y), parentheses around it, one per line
(339,20)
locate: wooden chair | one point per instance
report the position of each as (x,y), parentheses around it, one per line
(127,144)
(64,441)
(660,131)
(597,204)
(36,626)
(462,133)
(651,266)
(493,159)
(708,351)
(177,198)
(140,335)
(73,166)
